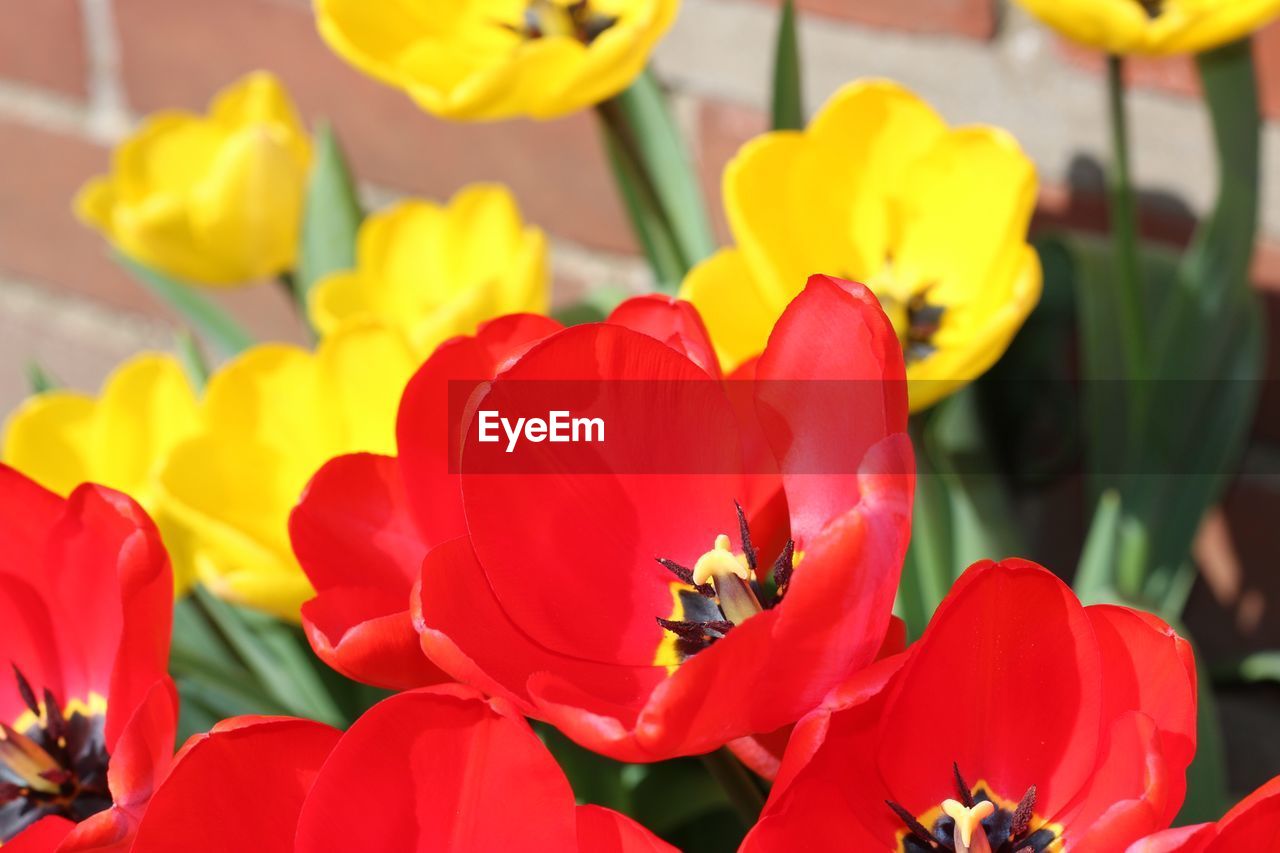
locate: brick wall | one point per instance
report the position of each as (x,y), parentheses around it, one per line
(76,74)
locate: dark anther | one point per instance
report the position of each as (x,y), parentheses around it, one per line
(1153,8)
(1022,814)
(748,549)
(55,722)
(686,576)
(695,630)
(9,792)
(24,690)
(913,826)
(782,567)
(962,788)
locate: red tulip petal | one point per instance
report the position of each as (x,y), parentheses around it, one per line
(422,424)
(110,574)
(832,385)
(110,831)
(366,634)
(145,748)
(572,556)
(1133,790)
(779,664)
(1011,657)
(1184,839)
(353,527)
(828,787)
(674,322)
(601,830)
(239,787)
(1147,667)
(355,537)
(1254,821)
(468,635)
(29,642)
(438,769)
(27,512)
(43,836)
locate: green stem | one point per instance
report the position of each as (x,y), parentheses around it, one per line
(652,226)
(1124,229)
(739,785)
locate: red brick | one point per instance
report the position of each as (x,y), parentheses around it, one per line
(178,54)
(43,43)
(1177,74)
(971,18)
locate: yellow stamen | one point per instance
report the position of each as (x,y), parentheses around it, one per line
(27,759)
(970,837)
(719,562)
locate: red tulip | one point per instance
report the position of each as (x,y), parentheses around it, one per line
(611,604)
(88,711)
(439,768)
(557,607)
(360,541)
(1019,721)
(1254,824)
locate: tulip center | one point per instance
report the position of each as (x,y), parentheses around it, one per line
(916,320)
(53,761)
(978,822)
(720,591)
(556,18)
(1153,8)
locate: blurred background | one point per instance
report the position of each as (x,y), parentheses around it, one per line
(75,75)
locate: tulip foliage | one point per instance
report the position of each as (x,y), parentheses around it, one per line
(750,561)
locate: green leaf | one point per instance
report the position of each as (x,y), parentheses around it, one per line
(208,319)
(1207,798)
(645,212)
(596,305)
(1095,580)
(331,216)
(193,360)
(594,778)
(38,380)
(271,651)
(788,97)
(644,125)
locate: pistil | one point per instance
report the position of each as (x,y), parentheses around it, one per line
(731,579)
(968,835)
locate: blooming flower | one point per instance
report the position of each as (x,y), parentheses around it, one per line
(87,710)
(480,60)
(1253,824)
(1154,26)
(637,657)
(1020,720)
(268,420)
(433,769)
(62,438)
(437,271)
(213,199)
(361,543)
(878,189)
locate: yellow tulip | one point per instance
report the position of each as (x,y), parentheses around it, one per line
(495,59)
(213,199)
(437,271)
(1160,27)
(63,438)
(879,190)
(269,420)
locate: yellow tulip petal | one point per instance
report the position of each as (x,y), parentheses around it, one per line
(258,99)
(248,205)
(235,497)
(1115,26)
(338,298)
(961,210)
(362,371)
(738,318)
(169,153)
(1191,26)
(483,230)
(147,406)
(94,203)
(951,366)
(271,395)
(48,439)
